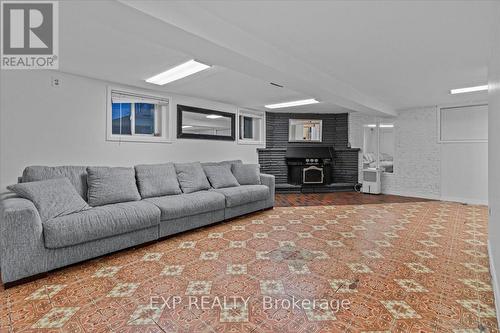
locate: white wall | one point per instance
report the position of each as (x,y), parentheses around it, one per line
(494,160)
(416,154)
(464,175)
(425,168)
(42,125)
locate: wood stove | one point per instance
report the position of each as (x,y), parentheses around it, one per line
(309,164)
(313,175)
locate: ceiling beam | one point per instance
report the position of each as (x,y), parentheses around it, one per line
(223,44)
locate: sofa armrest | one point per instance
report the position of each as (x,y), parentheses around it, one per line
(21,237)
(269,181)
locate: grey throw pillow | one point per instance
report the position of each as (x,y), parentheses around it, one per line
(220,176)
(191,177)
(246,174)
(77,175)
(52,197)
(111,185)
(156,180)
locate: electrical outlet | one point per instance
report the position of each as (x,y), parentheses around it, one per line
(56,82)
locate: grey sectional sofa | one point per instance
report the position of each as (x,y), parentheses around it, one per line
(30,244)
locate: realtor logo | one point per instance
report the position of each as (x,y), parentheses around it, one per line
(29,35)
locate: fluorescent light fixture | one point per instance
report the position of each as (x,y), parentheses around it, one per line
(371,125)
(213,116)
(178,72)
(293,103)
(386,125)
(468,89)
(187,126)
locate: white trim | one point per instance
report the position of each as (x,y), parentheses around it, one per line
(412,194)
(254,114)
(494,282)
(436,197)
(468,201)
(166,118)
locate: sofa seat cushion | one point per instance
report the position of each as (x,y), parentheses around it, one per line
(99,222)
(187,204)
(236,196)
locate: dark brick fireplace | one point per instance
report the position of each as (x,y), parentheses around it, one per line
(286,161)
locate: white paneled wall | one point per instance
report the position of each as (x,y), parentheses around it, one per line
(425,168)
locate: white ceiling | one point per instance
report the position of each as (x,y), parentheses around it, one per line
(406,53)
(373,56)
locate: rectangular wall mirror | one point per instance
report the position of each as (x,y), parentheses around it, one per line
(198,123)
(304,130)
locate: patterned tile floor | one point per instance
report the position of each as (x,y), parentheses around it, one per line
(394,267)
(338,198)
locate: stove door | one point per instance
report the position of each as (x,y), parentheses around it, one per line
(313,175)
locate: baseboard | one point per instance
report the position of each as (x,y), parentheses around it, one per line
(494,282)
(438,197)
(413,195)
(465,200)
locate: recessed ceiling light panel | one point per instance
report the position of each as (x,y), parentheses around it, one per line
(292,103)
(178,72)
(468,89)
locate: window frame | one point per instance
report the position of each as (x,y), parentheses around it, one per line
(456,106)
(253,114)
(165,125)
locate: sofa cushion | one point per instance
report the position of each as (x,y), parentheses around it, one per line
(108,185)
(51,197)
(246,174)
(220,176)
(191,177)
(155,180)
(99,222)
(244,194)
(176,206)
(77,175)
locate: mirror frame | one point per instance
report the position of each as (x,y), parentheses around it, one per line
(305,120)
(181,135)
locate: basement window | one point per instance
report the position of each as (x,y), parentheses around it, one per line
(251,127)
(137,117)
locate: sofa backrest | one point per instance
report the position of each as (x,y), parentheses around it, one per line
(231,162)
(77,175)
